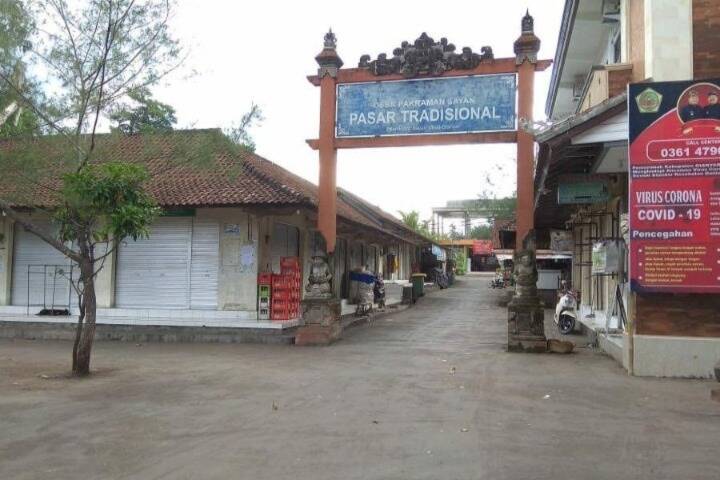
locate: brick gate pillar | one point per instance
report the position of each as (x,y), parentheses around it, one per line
(526,50)
(320,309)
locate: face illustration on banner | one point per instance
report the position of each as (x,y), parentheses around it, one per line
(698,108)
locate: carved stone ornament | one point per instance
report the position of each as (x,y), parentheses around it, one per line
(527,46)
(328,59)
(425,57)
(319,281)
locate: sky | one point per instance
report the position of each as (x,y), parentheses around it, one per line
(262,51)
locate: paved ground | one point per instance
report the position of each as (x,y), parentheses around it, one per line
(428,393)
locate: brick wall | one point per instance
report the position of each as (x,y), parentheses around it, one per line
(618,80)
(706,38)
(682,315)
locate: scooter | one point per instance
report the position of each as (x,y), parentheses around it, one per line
(379,292)
(566,310)
(498,281)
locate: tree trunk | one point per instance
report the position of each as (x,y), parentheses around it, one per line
(81,360)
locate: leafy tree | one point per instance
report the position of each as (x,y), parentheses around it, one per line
(94,54)
(460,262)
(454,234)
(240,133)
(16,25)
(411,219)
(481,232)
(146,115)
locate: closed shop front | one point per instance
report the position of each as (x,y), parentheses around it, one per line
(176,267)
(43,269)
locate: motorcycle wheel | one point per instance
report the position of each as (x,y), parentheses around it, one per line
(566,324)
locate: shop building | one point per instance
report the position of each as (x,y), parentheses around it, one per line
(226,220)
(581,177)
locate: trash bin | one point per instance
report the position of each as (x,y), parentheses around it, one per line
(418,283)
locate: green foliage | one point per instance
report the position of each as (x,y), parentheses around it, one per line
(240,133)
(412,220)
(481,232)
(147,115)
(16,27)
(460,262)
(106,202)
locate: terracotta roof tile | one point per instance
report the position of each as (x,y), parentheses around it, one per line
(188,168)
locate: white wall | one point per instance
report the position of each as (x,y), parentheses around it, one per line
(668,40)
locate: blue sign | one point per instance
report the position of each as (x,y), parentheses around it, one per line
(439,105)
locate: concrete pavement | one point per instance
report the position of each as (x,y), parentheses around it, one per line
(427,393)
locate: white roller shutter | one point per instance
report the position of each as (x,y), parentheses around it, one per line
(205,264)
(155,272)
(49,270)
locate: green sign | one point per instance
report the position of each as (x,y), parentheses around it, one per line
(584,192)
(178,212)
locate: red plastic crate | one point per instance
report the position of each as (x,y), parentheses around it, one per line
(290,262)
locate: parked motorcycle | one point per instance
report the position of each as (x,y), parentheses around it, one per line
(566,309)
(379,292)
(438,276)
(498,281)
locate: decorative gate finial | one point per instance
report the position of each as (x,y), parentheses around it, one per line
(425,57)
(528,45)
(528,23)
(328,60)
(330,39)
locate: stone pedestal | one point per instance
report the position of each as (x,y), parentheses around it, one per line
(321,322)
(526,313)
(526,326)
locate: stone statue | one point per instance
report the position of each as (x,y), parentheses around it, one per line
(526,275)
(526,314)
(319,281)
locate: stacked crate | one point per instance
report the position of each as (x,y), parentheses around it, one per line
(264,295)
(286,290)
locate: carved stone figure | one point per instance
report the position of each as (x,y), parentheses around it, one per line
(526,275)
(319,281)
(526,329)
(425,57)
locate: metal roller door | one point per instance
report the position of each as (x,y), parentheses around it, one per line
(205,265)
(49,270)
(177,267)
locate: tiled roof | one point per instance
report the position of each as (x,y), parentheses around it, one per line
(188,168)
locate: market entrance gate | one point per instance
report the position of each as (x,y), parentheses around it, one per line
(458,97)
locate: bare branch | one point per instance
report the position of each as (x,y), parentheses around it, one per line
(45,236)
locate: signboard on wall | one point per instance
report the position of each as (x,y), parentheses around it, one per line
(674,195)
(414,107)
(582,193)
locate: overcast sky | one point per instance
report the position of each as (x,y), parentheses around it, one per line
(262,51)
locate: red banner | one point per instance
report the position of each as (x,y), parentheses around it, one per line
(675,187)
(482,247)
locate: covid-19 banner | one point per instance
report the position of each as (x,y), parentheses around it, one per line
(674,196)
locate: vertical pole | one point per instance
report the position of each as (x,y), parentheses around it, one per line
(525,154)
(526,48)
(327,188)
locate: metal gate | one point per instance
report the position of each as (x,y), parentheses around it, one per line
(40,274)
